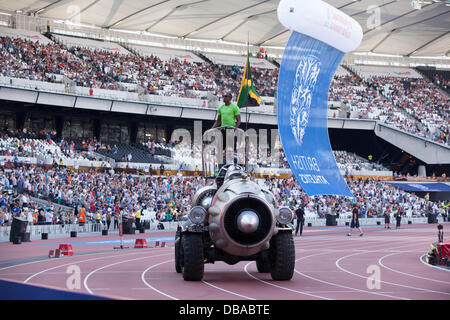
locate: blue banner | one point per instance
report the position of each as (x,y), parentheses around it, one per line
(422,187)
(306,71)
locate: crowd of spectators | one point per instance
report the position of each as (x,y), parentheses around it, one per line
(441,82)
(169,78)
(374,199)
(228,78)
(187,154)
(95,68)
(350,162)
(13,204)
(22,58)
(28,144)
(413,105)
(167,198)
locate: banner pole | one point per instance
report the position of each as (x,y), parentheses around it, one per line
(246,101)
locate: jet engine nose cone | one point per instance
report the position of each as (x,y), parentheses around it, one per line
(248,221)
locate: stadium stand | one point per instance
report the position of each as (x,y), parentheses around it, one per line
(367,72)
(24,34)
(166,54)
(438,77)
(168,197)
(396,96)
(350,162)
(233,60)
(90,44)
(408,99)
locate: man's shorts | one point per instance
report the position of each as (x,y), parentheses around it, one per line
(354,224)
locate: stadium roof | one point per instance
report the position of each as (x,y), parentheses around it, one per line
(390,26)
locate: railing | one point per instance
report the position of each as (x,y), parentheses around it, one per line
(316,221)
(64,231)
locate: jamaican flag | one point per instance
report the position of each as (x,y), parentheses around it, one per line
(248,97)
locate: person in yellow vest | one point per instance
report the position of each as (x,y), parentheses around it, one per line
(137,216)
(175,214)
(445,209)
(98,218)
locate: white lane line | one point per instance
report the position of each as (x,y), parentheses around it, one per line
(280,287)
(407,274)
(345,287)
(150,286)
(339,285)
(430,265)
(227,291)
(386,282)
(298,250)
(44,260)
(74,262)
(113,264)
(292,290)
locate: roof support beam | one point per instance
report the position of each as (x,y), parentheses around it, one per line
(428,43)
(224,17)
(135,13)
(383,40)
(273,37)
(245,21)
(408,25)
(39,11)
(172,11)
(396,18)
(380,6)
(84,9)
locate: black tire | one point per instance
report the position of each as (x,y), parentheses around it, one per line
(263,266)
(282,257)
(193,259)
(178,255)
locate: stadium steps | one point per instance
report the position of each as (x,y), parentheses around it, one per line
(201,55)
(50,36)
(428,75)
(131,50)
(273,61)
(349,70)
(138,155)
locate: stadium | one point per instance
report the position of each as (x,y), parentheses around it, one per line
(104,106)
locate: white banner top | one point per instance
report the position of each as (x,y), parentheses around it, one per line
(321,21)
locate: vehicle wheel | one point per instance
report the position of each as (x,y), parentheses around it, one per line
(282,256)
(263,266)
(178,255)
(193,260)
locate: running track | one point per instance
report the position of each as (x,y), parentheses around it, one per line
(329,266)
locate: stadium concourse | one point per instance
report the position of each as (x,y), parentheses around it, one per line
(87,120)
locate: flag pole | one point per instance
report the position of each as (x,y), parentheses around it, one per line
(248,58)
(246,107)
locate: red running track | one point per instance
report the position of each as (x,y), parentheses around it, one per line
(329,266)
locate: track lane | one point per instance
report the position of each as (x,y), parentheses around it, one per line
(137,274)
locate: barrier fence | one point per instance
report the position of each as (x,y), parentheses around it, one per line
(61,231)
